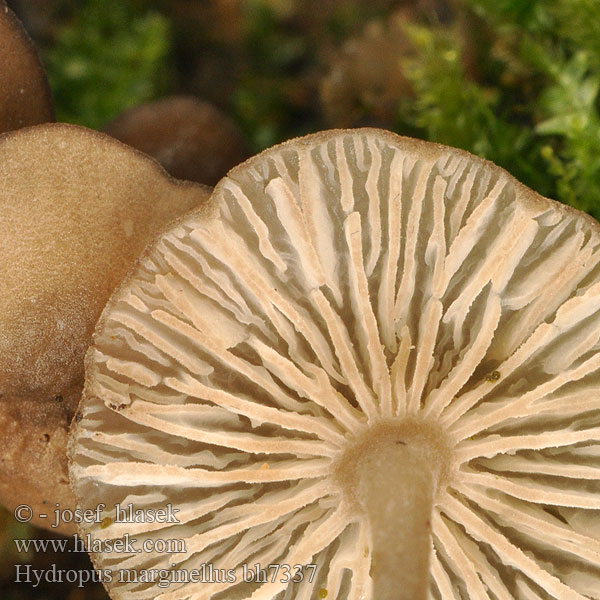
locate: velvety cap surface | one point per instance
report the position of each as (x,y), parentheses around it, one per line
(76,209)
(25,97)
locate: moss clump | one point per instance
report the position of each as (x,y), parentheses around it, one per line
(107,57)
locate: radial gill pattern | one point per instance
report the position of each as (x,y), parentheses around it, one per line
(336,282)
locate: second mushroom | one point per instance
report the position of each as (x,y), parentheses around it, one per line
(368,369)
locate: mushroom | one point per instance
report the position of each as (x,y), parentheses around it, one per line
(370,360)
(77,208)
(365,79)
(191,138)
(25,97)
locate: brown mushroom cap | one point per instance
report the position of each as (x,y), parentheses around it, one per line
(373,355)
(366,74)
(77,207)
(192,139)
(33,458)
(25,97)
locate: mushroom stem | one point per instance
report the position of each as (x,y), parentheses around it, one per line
(395,486)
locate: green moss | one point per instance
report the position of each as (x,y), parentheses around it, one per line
(110,56)
(274,56)
(452,109)
(536,113)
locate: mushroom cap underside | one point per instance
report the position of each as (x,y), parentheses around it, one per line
(337,284)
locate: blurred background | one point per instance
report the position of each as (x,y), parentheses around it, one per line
(513,81)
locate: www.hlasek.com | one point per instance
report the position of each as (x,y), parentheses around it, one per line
(123,545)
